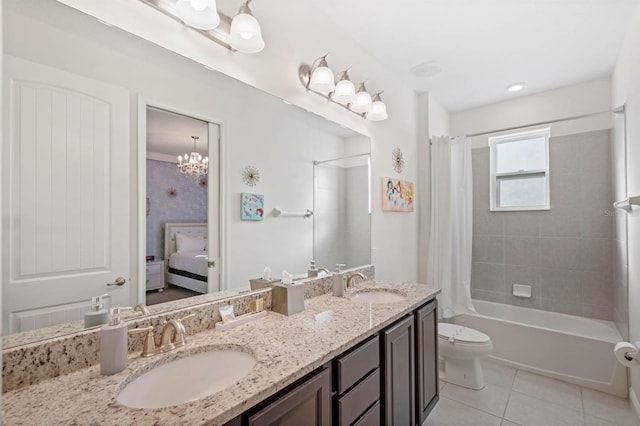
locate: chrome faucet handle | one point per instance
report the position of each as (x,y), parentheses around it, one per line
(179,338)
(149,346)
(141,307)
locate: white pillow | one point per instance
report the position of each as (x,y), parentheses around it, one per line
(188,243)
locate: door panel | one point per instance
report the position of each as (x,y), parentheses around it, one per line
(66,191)
(426,359)
(399,375)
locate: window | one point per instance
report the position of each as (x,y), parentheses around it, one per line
(520,171)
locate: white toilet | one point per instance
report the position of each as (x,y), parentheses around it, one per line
(462,348)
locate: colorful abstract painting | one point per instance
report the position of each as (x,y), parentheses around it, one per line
(397,195)
(251,206)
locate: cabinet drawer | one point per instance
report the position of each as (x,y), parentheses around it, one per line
(154,268)
(357,400)
(358,363)
(371,417)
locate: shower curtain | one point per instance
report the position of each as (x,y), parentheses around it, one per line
(449,262)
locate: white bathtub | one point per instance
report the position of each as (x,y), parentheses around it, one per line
(574,349)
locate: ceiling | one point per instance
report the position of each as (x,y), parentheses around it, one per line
(483,46)
(170,134)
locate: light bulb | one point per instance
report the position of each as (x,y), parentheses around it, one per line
(198,5)
(345,92)
(378,110)
(322,79)
(200,14)
(362,102)
(245,34)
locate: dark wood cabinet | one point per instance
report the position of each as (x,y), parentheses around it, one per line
(357,384)
(427,386)
(399,373)
(308,403)
(391,379)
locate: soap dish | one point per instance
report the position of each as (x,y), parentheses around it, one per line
(239,320)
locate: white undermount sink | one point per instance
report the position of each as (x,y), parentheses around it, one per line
(377,296)
(187,379)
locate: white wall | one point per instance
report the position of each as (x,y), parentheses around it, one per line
(298,32)
(280,140)
(626,88)
(439,119)
(433,120)
(583,98)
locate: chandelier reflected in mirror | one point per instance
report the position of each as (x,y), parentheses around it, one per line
(193,165)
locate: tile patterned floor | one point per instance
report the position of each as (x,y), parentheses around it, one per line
(515,397)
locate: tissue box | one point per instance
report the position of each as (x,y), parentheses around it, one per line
(287,299)
(258,283)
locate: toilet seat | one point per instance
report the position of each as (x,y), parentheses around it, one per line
(454,333)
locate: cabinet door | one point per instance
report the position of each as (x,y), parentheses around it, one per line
(399,374)
(426,359)
(307,404)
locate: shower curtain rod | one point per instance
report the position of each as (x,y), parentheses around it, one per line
(316,162)
(620,110)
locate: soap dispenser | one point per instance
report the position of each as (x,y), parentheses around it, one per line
(98,313)
(338,280)
(113,344)
(313,271)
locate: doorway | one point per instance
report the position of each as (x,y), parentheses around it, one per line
(181,244)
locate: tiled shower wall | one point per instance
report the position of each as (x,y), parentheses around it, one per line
(565,253)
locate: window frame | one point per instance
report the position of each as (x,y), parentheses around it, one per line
(496,177)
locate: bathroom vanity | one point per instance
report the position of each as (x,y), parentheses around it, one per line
(391,378)
(337,362)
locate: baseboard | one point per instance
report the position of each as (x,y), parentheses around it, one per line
(634,403)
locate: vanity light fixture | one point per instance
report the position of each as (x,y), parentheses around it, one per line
(241,34)
(345,92)
(362,102)
(319,79)
(245,34)
(193,165)
(200,14)
(378,110)
(322,79)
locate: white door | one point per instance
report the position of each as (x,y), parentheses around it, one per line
(214,208)
(66,204)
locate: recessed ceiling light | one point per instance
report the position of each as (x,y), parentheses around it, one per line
(427,69)
(516,87)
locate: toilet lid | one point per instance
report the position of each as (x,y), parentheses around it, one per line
(454,332)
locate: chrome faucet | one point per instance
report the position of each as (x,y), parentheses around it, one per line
(173,336)
(142,308)
(325,270)
(354,276)
(171,330)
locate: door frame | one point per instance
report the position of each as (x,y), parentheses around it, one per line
(139,217)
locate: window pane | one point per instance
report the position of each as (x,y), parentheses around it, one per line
(521,155)
(522,192)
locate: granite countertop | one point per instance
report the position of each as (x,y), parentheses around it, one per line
(286,349)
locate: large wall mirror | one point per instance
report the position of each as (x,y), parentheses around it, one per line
(96,105)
